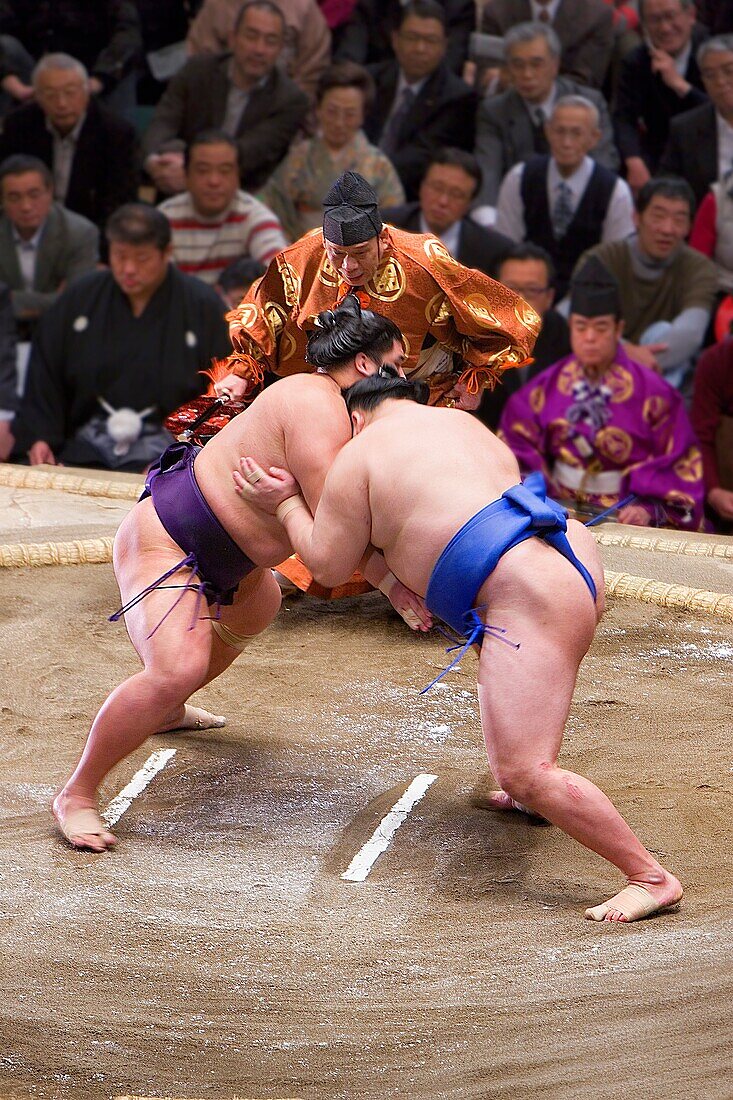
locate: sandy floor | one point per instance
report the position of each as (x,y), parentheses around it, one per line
(218,953)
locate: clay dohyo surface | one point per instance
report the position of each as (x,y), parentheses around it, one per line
(218,953)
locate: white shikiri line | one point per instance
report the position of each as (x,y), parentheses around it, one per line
(121,802)
(379,841)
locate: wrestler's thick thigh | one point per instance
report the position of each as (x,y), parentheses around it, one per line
(163,626)
(256,603)
(586,549)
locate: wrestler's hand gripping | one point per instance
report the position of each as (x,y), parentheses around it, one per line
(271,491)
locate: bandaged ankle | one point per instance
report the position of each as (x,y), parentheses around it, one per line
(387,583)
(228,637)
(285,507)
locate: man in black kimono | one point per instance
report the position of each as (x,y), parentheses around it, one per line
(131,339)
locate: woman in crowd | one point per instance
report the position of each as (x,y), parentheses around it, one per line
(296,190)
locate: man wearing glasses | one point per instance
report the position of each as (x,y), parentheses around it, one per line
(658,80)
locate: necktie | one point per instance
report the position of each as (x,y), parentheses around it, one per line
(543,14)
(538,131)
(562,211)
(389,143)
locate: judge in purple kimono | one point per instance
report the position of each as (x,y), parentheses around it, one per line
(601,427)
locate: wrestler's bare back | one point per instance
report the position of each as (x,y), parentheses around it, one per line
(299,423)
(417,506)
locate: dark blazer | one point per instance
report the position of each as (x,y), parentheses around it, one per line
(69,246)
(553,343)
(444,113)
(104,35)
(366,38)
(645,106)
(196,100)
(717,15)
(483,249)
(504,135)
(692,149)
(8,369)
(584,27)
(105,170)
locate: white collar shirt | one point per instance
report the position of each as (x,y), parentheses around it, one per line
(27,253)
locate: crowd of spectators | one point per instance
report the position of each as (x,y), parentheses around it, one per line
(155,155)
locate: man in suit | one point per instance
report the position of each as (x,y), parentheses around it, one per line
(528,270)
(563,200)
(135,337)
(446,194)
(42,244)
(700,145)
(307,51)
(366,38)
(420,104)
(510,126)
(92,153)
(658,81)
(243,93)
(584,27)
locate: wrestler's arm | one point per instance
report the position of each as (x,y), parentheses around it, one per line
(270,488)
(334,541)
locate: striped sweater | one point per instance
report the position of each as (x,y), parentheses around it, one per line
(205,246)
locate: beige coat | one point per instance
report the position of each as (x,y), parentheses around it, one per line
(307,50)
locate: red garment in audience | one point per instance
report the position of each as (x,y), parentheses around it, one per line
(336,12)
(712,400)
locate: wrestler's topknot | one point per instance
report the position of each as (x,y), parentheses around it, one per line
(369,392)
(342,332)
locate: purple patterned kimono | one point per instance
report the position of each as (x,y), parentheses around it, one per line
(598,441)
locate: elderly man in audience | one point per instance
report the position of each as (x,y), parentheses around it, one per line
(584,27)
(42,244)
(118,351)
(712,419)
(667,288)
(420,104)
(298,186)
(446,195)
(564,200)
(367,37)
(700,145)
(213,222)
(307,47)
(511,126)
(658,80)
(244,93)
(92,152)
(602,427)
(529,270)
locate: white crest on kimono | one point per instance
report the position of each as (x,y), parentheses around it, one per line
(81,323)
(124,425)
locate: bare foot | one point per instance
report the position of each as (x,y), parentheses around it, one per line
(78,819)
(638,900)
(193,718)
(500,800)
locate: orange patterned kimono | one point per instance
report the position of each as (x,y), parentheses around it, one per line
(457,323)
